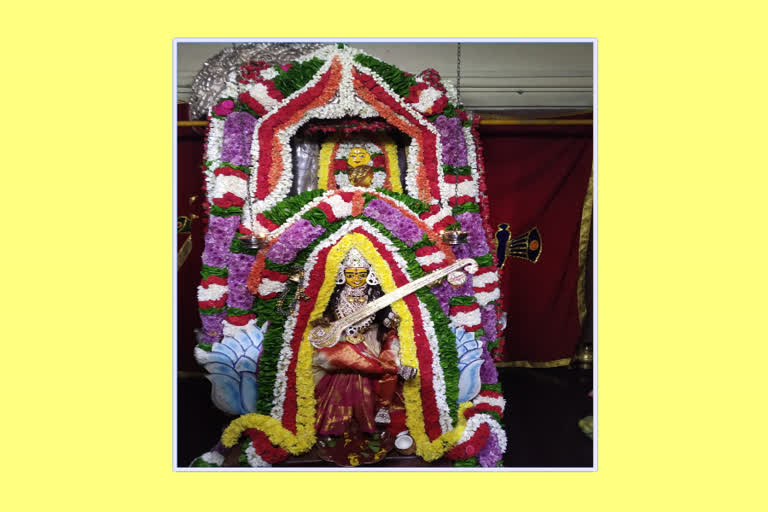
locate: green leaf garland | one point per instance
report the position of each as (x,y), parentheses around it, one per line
(208,271)
(293,79)
(288,207)
(226,212)
(466,207)
(416,206)
(462,301)
(396,79)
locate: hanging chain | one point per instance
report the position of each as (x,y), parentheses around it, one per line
(458,74)
(458,102)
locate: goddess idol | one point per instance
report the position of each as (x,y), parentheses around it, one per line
(357,380)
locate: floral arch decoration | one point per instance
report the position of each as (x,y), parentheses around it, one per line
(248,149)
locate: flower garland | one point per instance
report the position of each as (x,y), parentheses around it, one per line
(481,431)
(325,179)
(267,452)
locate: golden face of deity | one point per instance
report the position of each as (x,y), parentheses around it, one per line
(358,157)
(355,277)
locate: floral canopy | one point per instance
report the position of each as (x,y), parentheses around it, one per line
(257,305)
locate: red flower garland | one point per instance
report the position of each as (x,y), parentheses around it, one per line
(471,446)
(264,448)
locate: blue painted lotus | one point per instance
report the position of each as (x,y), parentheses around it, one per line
(232,365)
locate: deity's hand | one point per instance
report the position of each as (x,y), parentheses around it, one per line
(392,321)
(320,322)
(408,372)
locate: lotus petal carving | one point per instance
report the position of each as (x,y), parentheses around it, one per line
(232,366)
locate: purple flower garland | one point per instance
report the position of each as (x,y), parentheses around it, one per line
(490,454)
(488,372)
(392,219)
(218,239)
(238,132)
(239,268)
(452,140)
(293,240)
(212,327)
(236,150)
(445,292)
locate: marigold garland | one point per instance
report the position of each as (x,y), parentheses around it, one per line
(327,149)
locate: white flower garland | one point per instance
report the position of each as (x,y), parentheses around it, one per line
(431,259)
(345,147)
(450,91)
(213,458)
(339,206)
(260,93)
(268,73)
(468,319)
(268,286)
(213,154)
(467,188)
(212,292)
(437,217)
(234,184)
(490,400)
(483,298)
(254,459)
(427,98)
(484,279)
(438,378)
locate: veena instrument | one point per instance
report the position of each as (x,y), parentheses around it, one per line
(328,336)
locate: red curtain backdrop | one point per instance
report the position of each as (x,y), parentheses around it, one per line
(189,197)
(537,176)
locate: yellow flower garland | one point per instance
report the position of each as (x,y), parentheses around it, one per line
(326,149)
(394,167)
(304,438)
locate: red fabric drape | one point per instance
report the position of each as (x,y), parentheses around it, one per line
(538,177)
(189,179)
